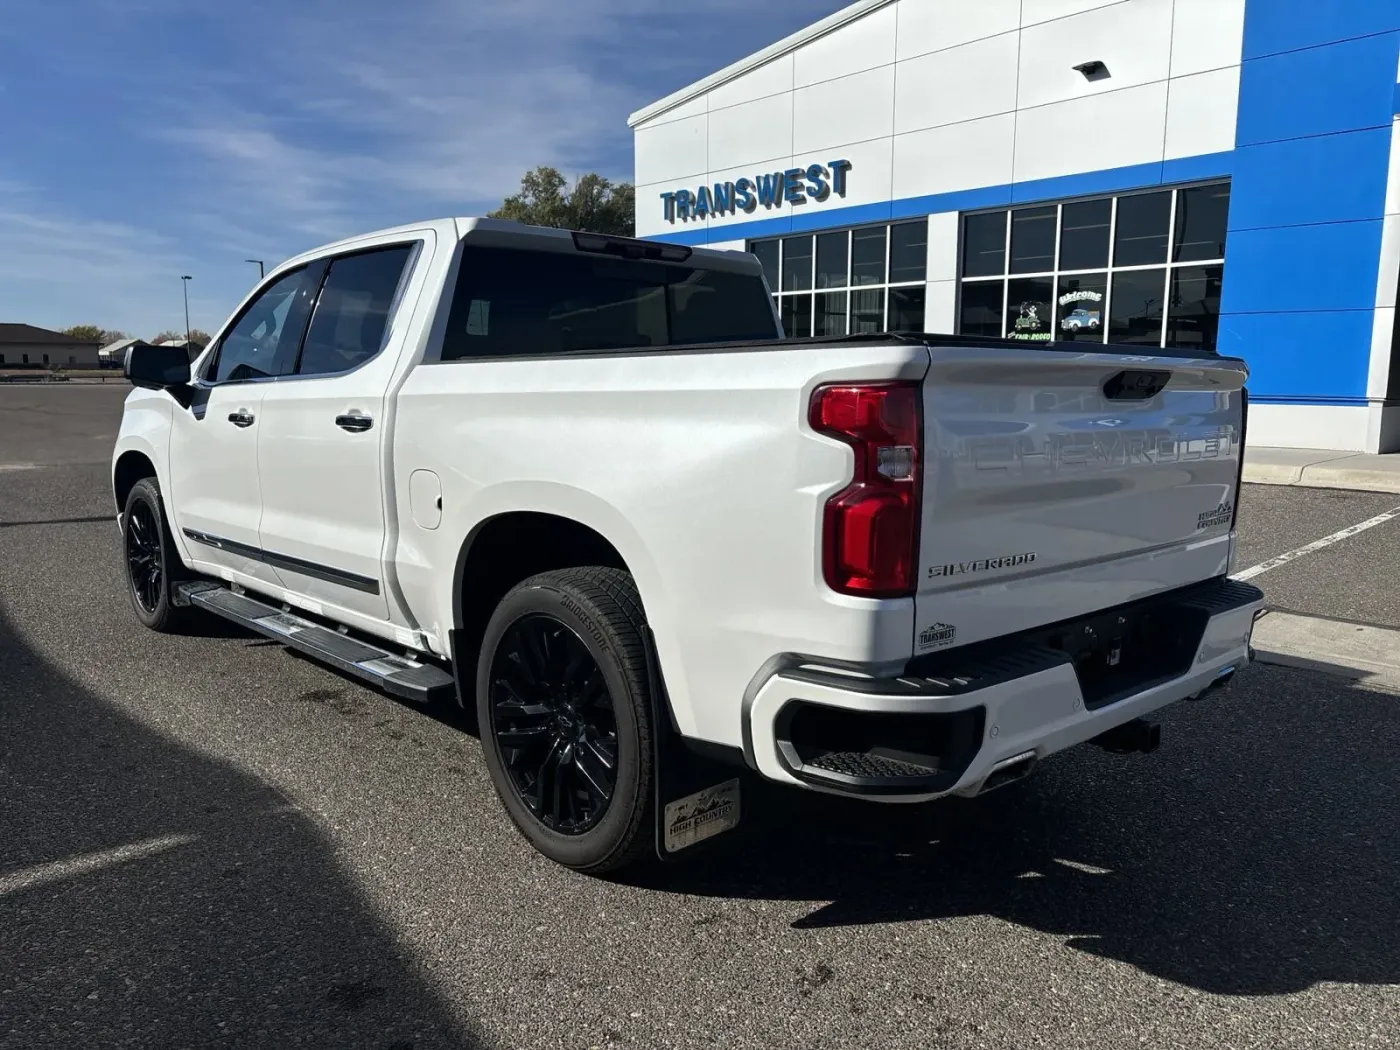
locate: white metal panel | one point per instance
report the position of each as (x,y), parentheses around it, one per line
(1133,39)
(694,108)
(869,180)
(852,109)
(940,307)
(749,132)
(670,151)
(771,78)
(1036,11)
(932,25)
(1342,427)
(1206,34)
(729,246)
(955,157)
(650,212)
(961,83)
(1201,113)
(768,165)
(740,580)
(863,44)
(785,46)
(1392,186)
(1090,134)
(942,246)
(1388,278)
(1382,340)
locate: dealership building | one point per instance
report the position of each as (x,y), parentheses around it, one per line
(1217,173)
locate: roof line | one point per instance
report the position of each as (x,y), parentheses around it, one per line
(784,46)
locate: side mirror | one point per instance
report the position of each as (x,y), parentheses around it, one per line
(156,367)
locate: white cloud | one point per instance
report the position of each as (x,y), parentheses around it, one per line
(266,128)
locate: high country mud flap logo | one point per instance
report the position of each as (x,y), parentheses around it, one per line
(1221,515)
(936,636)
(702,815)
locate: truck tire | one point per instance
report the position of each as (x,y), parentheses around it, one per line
(564,707)
(151,561)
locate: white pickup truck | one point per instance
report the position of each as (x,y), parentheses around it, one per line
(583,485)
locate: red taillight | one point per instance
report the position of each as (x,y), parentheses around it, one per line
(1239,475)
(870,532)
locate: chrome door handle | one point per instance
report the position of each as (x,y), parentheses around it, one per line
(355,423)
(241,418)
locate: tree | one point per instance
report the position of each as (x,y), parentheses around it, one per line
(198,338)
(593,203)
(88,333)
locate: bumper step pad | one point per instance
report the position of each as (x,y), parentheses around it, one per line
(399,676)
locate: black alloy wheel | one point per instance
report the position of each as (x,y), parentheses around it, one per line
(554,720)
(564,702)
(153,565)
(145,560)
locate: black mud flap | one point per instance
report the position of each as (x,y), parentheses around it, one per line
(698,798)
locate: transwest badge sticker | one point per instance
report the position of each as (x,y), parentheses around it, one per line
(936,636)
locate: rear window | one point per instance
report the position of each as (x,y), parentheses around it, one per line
(509,302)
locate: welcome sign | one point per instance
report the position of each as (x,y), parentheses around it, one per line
(794,187)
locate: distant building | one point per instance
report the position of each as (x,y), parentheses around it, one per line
(23,345)
(113,354)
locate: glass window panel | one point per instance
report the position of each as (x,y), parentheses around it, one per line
(1033,240)
(510,301)
(868,256)
(1141,234)
(1136,314)
(1079,304)
(797,263)
(1029,305)
(868,311)
(352,311)
(831,313)
(984,246)
(1084,234)
(907,308)
(832,253)
(1193,316)
(908,251)
(797,315)
(1201,214)
(980,313)
(767,252)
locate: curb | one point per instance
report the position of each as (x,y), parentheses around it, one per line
(1322,476)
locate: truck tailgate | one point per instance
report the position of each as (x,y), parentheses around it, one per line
(1058,483)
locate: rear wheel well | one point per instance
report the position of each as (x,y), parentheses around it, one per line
(130,468)
(506,550)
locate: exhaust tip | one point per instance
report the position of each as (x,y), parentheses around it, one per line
(1008,770)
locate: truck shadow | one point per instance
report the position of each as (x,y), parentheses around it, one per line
(1256,854)
(151,894)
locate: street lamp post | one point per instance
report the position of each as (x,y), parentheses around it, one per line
(260,267)
(185,280)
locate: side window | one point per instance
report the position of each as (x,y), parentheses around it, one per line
(352,312)
(263,341)
(512,302)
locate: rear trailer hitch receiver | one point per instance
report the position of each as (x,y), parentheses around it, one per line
(1136,737)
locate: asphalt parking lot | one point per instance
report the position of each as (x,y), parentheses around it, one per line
(208,841)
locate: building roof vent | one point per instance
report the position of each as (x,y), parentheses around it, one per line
(1093,70)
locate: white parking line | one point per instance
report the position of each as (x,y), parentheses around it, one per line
(1317,545)
(55,871)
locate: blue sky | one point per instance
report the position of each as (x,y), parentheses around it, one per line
(145,139)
